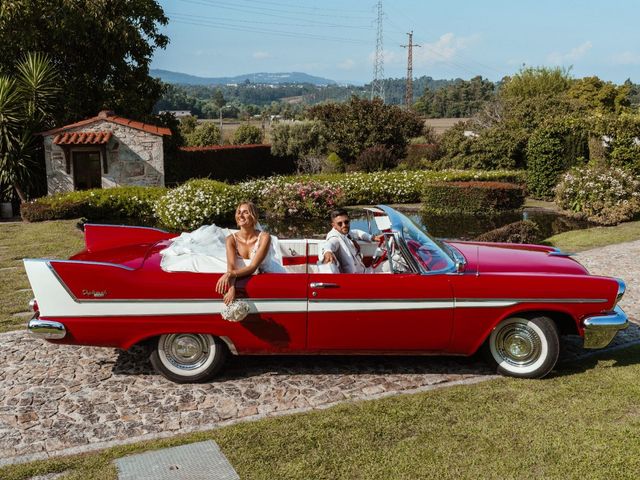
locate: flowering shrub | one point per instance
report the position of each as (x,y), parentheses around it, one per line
(304,199)
(196,203)
(604,195)
(136,203)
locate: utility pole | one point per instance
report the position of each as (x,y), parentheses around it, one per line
(377,85)
(408,94)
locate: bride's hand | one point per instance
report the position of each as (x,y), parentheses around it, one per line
(223,284)
(230,296)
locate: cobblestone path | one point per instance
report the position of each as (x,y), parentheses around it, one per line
(64,399)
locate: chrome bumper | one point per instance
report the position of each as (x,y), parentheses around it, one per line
(47,329)
(600,330)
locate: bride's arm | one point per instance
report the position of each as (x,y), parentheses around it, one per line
(227,281)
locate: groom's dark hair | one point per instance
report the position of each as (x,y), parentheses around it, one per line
(338,213)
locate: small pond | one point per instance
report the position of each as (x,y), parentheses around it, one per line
(465,227)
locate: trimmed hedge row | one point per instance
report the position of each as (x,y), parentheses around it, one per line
(523,231)
(472,197)
(134,203)
(228,163)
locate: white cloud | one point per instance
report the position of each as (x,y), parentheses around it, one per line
(443,49)
(574,54)
(261,55)
(626,58)
(347,64)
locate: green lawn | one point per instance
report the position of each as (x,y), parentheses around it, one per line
(583,422)
(578,240)
(18,240)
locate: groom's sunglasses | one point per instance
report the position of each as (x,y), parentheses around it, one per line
(346,222)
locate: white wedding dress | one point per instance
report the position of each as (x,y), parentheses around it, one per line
(204,251)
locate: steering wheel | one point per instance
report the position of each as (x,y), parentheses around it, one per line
(414,248)
(377,260)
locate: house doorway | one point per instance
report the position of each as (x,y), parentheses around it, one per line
(86,170)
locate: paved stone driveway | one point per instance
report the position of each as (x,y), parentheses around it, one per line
(64,399)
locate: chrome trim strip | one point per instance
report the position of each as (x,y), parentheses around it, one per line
(533,300)
(600,330)
(622,287)
(232,348)
(46,329)
(64,285)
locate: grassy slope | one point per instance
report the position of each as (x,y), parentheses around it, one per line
(582,423)
(57,239)
(578,240)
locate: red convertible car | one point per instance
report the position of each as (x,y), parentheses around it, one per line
(426,296)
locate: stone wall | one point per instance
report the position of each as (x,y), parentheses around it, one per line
(134,157)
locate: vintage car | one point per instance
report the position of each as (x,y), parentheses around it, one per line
(426,296)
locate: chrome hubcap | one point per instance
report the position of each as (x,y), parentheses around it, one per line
(186,351)
(518,344)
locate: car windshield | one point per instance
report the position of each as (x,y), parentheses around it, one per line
(430,253)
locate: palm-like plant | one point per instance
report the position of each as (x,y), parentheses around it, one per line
(25,105)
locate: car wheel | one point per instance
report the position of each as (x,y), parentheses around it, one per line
(188,357)
(524,347)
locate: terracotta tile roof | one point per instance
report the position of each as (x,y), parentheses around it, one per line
(109,116)
(82,138)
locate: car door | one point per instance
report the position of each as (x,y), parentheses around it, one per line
(379,312)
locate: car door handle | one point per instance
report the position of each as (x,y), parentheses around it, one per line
(323,285)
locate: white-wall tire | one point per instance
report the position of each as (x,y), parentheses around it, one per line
(188,357)
(524,347)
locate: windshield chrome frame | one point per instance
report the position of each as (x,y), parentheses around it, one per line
(397,221)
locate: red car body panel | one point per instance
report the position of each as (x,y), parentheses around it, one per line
(433,312)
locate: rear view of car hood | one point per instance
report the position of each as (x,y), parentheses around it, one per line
(505,257)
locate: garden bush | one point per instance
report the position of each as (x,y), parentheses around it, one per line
(421,155)
(552,149)
(247,135)
(471,197)
(196,203)
(376,158)
(523,231)
(205,134)
(605,195)
(135,204)
(305,199)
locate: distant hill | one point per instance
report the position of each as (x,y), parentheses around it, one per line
(257,78)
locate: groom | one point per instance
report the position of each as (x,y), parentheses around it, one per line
(341,246)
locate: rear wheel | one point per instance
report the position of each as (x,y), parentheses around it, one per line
(188,357)
(524,347)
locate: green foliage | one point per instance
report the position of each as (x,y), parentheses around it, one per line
(25,107)
(298,140)
(534,83)
(188,125)
(421,156)
(460,99)
(196,203)
(620,133)
(471,197)
(374,159)
(606,195)
(501,146)
(597,96)
(360,124)
(247,135)
(334,163)
(131,203)
(103,48)
(205,134)
(523,231)
(551,150)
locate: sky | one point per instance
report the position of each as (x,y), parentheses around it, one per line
(337,39)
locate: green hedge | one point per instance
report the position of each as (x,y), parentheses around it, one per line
(523,231)
(471,197)
(131,203)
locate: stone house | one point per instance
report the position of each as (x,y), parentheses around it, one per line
(102,152)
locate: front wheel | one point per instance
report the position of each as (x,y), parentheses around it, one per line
(524,347)
(188,357)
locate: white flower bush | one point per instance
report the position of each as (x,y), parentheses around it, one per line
(605,195)
(196,203)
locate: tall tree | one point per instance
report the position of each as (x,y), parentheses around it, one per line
(102,48)
(25,102)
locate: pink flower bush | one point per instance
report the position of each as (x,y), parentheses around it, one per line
(307,199)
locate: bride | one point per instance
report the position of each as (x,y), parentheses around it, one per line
(246,250)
